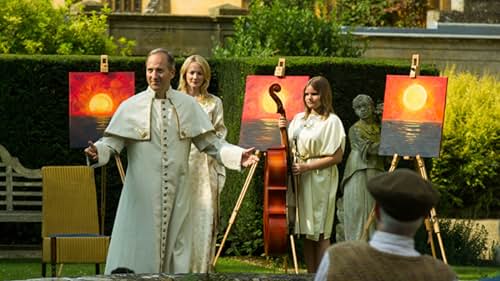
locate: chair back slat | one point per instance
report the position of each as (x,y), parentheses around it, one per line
(69,200)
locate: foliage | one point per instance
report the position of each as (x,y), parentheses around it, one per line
(252,246)
(397,13)
(467,170)
(477,273)
(282,28)
(35,96)
(35,27)
(464,241)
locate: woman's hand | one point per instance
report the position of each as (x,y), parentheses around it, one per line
(299,168)
(282,122)
(318,163)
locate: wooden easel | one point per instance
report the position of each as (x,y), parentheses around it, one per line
(431,221)
(278,72)
(119,165)
(236,208)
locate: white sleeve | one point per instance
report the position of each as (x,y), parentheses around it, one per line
(322,272)
(106,147)
(227,154)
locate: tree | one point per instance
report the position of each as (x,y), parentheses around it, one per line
(289,28)
(397,13)
(467,170)
(35,27)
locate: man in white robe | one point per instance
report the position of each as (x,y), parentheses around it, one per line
(152,232)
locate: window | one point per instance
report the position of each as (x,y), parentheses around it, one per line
(125,6)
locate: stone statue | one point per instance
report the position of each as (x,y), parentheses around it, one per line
(362,164)
(152,7)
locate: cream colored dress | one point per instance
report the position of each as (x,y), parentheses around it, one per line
(152,230)
(316,137)
(206,182)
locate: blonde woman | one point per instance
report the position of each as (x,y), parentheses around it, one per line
(207,176)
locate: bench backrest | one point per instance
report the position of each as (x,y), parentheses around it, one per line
(20,190)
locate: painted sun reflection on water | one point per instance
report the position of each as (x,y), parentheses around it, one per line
(413,115)
(93,98)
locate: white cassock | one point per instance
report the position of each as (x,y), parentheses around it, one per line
(151,232)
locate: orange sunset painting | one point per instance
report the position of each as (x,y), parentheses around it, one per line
(413,115)
(93,98)
(259,119)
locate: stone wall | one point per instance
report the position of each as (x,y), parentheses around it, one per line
(469,47)
(183,35)
(474,11)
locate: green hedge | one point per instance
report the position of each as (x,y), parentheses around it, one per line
(35,125)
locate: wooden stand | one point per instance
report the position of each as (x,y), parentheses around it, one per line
(431,221)
(104,69)
(236,209)
(278,72)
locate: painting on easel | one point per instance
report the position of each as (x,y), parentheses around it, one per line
(413,115)
(93,98)
(259,120)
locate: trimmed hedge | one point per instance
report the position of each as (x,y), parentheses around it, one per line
(35,125)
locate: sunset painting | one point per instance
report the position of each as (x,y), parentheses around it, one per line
(412,120)
(259,120)
(93,98)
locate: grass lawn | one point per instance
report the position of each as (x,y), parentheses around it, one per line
(20,269)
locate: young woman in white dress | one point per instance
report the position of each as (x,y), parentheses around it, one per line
(318,140)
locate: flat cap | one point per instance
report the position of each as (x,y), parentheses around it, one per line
(403,194)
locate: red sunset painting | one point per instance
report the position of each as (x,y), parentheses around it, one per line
(259,119)
(93,98)
(413,115)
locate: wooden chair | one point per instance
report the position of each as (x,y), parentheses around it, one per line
(70,226)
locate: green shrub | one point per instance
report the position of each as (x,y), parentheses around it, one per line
(35,27)
(398,13)
(283,28)
(467,170)
(464,241)
(34,117)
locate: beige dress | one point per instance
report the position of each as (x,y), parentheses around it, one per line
(206,182)
(152,232)
(316,137)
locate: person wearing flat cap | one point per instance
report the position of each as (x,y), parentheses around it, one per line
(402,199)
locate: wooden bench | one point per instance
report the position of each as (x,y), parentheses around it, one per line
(20,190)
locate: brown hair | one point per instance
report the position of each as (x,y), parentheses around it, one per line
(320,84)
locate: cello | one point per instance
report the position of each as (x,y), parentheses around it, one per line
(276,175)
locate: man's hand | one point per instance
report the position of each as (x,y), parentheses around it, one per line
(248,158)
(91,151)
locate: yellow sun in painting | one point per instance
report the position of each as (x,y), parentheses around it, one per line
(414,97)
(101,103)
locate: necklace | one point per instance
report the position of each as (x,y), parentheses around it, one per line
(311,119)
